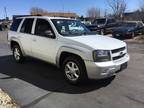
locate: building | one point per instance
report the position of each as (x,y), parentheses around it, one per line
(133,16)
(58,14)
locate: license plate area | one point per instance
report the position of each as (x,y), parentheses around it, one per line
(123,66)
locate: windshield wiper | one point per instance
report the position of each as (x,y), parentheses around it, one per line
(89,33)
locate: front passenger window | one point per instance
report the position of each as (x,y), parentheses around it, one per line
(43,28)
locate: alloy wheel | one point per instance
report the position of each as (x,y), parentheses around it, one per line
(72,71)
(17,54)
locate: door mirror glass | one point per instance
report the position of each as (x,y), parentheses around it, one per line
(49,33)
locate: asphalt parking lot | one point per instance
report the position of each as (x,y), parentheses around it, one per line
(36,84)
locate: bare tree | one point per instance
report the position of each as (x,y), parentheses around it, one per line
(37,11)
(93,12)
(141,10)
(118,7)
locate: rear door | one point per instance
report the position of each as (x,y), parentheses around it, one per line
(26,36)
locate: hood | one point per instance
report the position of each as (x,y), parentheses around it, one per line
(98,42)
(122,29)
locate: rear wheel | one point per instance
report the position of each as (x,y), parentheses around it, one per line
(74,70)
(17,54)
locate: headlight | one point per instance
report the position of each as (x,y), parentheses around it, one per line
(130,30)
(101,55)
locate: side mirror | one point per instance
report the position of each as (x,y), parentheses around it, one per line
(49,33)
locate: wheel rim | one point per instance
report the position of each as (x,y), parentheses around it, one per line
(102,33)
(17,54)
(72,71)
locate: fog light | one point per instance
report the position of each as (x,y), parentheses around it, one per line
(108,71)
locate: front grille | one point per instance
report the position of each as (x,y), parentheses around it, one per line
(118,57)
(118,50)
(118,53)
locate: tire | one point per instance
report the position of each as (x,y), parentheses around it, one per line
(17,54)
(102,32)
(74,70)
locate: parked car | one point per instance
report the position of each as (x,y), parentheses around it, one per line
(128,30)
(69,45)
(1,28)
(93,28)
(103,25)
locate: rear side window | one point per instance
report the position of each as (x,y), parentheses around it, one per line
(27,26)
(15,24)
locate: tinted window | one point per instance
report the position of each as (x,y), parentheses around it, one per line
(101,21)
(111,21)
(42,26)
(15,24)
(27,26)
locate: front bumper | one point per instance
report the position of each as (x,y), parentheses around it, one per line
(105,69)
(122,35)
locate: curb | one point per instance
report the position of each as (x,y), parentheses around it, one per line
(6,101)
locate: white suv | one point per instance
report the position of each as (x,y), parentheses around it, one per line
(69,45)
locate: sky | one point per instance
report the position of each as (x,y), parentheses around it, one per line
(21,7)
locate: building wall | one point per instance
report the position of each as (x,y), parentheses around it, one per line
(58,14)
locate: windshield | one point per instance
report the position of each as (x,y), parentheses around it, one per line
(68,27)
(100,21)
(111,21)
(129,24)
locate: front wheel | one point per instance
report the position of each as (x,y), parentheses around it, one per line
(102,32)
(132,35)
(74,70)
(17,54)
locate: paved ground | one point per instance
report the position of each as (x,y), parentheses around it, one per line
(36,84)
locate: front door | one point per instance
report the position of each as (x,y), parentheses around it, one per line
(44,42)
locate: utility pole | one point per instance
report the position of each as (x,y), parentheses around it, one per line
(63,8)
(105,13)
(5,12)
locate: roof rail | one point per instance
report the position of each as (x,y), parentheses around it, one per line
(18,16)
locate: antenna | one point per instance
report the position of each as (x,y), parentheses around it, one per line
(63,9)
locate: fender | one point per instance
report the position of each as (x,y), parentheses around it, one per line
(17,40)
(82,52)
